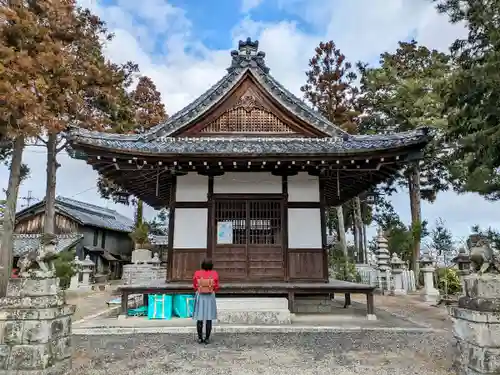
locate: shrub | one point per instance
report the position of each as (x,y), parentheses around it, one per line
(448,281)
(343,268)
(140,234)
(63,264)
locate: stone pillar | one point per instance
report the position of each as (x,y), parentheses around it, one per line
(35,328)
(463,261)
(476,326)
(383,257)
(87,269)
(431,294)
(397,270)
(75,279)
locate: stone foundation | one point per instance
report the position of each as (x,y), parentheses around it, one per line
(35,328)
(476,326)
(317,304)
(142,274)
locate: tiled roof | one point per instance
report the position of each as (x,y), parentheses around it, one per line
(90,215)
(157,240)
(262,145)
(247,60)
(27,242)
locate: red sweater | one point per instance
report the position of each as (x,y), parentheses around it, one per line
(202,274)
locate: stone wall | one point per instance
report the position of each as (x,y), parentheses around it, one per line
(35,328)
(142,274)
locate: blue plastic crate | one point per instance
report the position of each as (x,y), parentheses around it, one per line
(160,306)
(184,305)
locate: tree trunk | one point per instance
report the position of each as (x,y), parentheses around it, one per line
(139,213)
(341,230)
(50,187)
(356,236)
(416,214)
(359,228)
(365,244)
(9,222)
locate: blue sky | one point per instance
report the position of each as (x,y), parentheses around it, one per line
(183,45)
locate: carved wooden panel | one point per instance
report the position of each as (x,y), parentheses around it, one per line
(306,264)
(185,262)
(247,115)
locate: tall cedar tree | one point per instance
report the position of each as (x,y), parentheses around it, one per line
(473,95)
(52,74)
(404,94)
(330,90)
(147,111)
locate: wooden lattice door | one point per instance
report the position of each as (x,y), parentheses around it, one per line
(248,241)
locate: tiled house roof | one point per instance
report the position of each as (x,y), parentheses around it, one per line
(88,214)
(27,242)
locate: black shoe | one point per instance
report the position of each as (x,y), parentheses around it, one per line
(206,341)
(201,341)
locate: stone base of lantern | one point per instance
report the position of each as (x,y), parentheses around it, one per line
(431,296)
(399,292)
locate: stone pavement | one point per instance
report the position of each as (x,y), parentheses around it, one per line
(88,304)
(313,353)
(411,307)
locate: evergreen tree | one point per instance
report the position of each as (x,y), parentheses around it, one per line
(402,95)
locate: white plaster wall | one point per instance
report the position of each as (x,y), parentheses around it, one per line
(303,188)
(190,228)
(248,182)
(304,228)
(191,188)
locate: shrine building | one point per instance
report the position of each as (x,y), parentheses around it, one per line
(247,171)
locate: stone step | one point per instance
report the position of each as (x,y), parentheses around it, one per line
(255,311)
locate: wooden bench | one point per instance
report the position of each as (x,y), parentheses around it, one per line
(261,289)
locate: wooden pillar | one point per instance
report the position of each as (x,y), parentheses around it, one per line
(284,225)
(171,226)
(210,217)
(324,244)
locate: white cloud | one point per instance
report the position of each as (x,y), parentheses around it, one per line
(182,68)
(248,5)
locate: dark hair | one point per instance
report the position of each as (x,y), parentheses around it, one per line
(207,265)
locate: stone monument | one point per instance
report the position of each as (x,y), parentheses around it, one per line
(35,321)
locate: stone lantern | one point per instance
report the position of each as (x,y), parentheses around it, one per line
(397,270)
(75,279)
(463,261)
(431,294)
(155,261)
(87,269)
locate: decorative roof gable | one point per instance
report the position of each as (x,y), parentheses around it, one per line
(247,60)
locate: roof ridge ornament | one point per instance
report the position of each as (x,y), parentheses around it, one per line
(248,56)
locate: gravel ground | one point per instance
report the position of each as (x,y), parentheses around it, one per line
(339,353)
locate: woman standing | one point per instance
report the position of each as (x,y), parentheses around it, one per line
(205,283)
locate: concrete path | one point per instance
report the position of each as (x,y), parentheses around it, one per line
(412,308)
(340,353)
(88,304)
